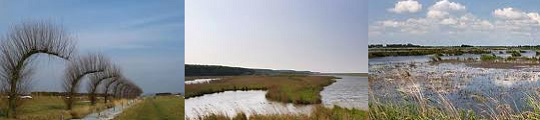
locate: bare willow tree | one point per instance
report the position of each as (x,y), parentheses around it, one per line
(18,50)
(79,68)
(118,88)
(108,87)
(112,72)
(129,90)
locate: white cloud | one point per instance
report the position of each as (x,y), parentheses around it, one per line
(449,21)
(509,13)
(389,23)
(443,8)
(409,6)
(445,5)
(516,16)
(437,14)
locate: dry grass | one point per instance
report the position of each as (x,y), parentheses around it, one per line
(298,89)
(51,108)
(417,107)
(319,113)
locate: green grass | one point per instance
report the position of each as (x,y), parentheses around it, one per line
(155,108)
(298,89)
(491,57)
(51,107)
(319,113)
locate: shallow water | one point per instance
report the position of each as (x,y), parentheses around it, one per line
(426,58)
(230,103)
(466,87)
(200,81)
(349,92)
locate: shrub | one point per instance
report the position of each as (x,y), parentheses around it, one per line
(488,57)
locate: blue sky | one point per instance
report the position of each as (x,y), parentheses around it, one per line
(315,35)
(145,38)
(454,22)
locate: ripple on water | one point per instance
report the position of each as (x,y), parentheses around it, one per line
(230,103)
(349,92)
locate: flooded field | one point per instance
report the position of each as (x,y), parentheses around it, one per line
(348,92)
(230,103)
(426,58)
(486,91)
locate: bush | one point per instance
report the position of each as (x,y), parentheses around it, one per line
(515,53)
(491,57)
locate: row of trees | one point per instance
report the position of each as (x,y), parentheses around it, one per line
(24,43)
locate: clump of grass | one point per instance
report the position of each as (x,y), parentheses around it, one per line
(413,105)
(491,57)
(436,57)
(515,53)
(298,89)
(318,113)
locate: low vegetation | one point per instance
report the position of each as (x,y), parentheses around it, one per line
(155,108)
(425,51)
(319,113)
(53,108)
(298,89)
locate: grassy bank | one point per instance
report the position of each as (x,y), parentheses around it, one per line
(51,108)
(298,89)
(155,108)
(319,113)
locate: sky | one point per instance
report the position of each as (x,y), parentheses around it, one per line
(454,22)
(314,35)
(145,38)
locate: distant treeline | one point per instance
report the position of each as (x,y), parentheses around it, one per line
(60,94)
(216,70)
(409,45)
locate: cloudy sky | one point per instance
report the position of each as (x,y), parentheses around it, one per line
(145,38)
(454,22)
(315,35)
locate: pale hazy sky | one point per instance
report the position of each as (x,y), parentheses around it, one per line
(315,35)
(145,38)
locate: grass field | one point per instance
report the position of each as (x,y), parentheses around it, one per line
(298,89)
(155,108)
(50,108)
(319,113)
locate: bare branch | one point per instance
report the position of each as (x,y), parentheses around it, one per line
(17,50)
(77,69)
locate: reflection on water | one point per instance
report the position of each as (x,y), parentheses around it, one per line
(349,92)
(232,102)
(200,81)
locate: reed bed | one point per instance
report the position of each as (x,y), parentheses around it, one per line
(319,113)
(421,98)
(298,89)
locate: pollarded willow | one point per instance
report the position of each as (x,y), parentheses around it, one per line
(112,72)
(18,50)
(79,68)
